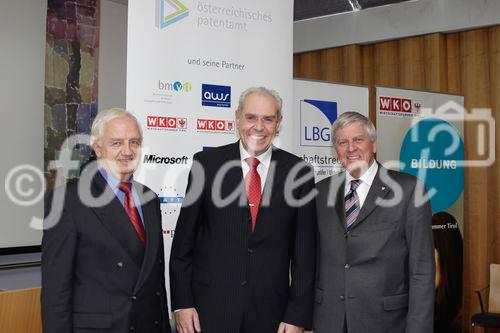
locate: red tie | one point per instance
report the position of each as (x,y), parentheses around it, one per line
(252,184)
(132,211)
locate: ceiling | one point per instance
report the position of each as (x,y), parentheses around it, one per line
(304,9)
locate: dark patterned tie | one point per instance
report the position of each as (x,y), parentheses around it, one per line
(132,211)
(351,205)
(252,184)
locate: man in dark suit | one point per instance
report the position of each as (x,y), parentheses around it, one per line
(102,257)
(242,257)
(376,254)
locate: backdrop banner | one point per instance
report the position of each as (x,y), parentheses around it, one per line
(316,106)
(187,63)
(422,133)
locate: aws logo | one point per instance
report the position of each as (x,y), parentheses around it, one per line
(316,119)
(214,95)
(169,12)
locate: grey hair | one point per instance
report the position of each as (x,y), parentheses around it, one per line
(261,91)
(104,117)
(347,118)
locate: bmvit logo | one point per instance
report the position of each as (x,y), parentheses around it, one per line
(166,123)
(175,86)
(218,126)
(316,119)
(214,95)
(169,12)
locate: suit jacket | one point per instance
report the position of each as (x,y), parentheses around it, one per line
(379,275)
(96,275)
(226,271)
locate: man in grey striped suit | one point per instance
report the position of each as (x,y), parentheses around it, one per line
(375,269)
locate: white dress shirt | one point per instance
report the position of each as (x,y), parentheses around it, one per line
(365,184)
(262,168)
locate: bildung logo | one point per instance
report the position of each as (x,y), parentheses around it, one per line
(169,12)
(316,119)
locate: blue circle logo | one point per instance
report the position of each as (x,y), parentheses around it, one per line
(177,86)
(433,151)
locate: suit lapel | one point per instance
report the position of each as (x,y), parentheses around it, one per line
(114,218)
(152,236)
(233,179)
(377,191)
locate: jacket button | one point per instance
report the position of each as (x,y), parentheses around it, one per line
(250,251)
(119,264)
(347,266)
(158,293)
(243,283)
(342,297)
(157,322)
(132,328)
(346,234)
(134,297)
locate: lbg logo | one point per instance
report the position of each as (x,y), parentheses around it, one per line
(316,119)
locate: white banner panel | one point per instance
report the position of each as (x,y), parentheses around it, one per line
(187,63)
(316,106)
(423,132)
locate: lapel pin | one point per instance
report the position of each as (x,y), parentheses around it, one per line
(383,188)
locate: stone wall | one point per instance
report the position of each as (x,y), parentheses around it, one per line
(71,67)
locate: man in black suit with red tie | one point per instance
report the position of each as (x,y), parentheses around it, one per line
(102,256)
(243,254)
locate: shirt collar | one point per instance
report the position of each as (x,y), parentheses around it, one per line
(264,158)
(367,177)
(112,181)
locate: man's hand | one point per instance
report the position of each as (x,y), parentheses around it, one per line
(288,328)
(187,321)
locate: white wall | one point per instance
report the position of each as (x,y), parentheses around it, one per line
(112,55)
(22,79)
(394,21)
(22,76)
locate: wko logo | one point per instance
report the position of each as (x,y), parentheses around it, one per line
(316,119)
(214,95)
(166,123)
(216,126)
(169,12)
(399,106)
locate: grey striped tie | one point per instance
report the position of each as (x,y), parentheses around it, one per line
(351,205)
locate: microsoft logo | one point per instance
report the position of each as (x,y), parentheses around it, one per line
(169,12)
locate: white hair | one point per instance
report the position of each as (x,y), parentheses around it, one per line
(104,117)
